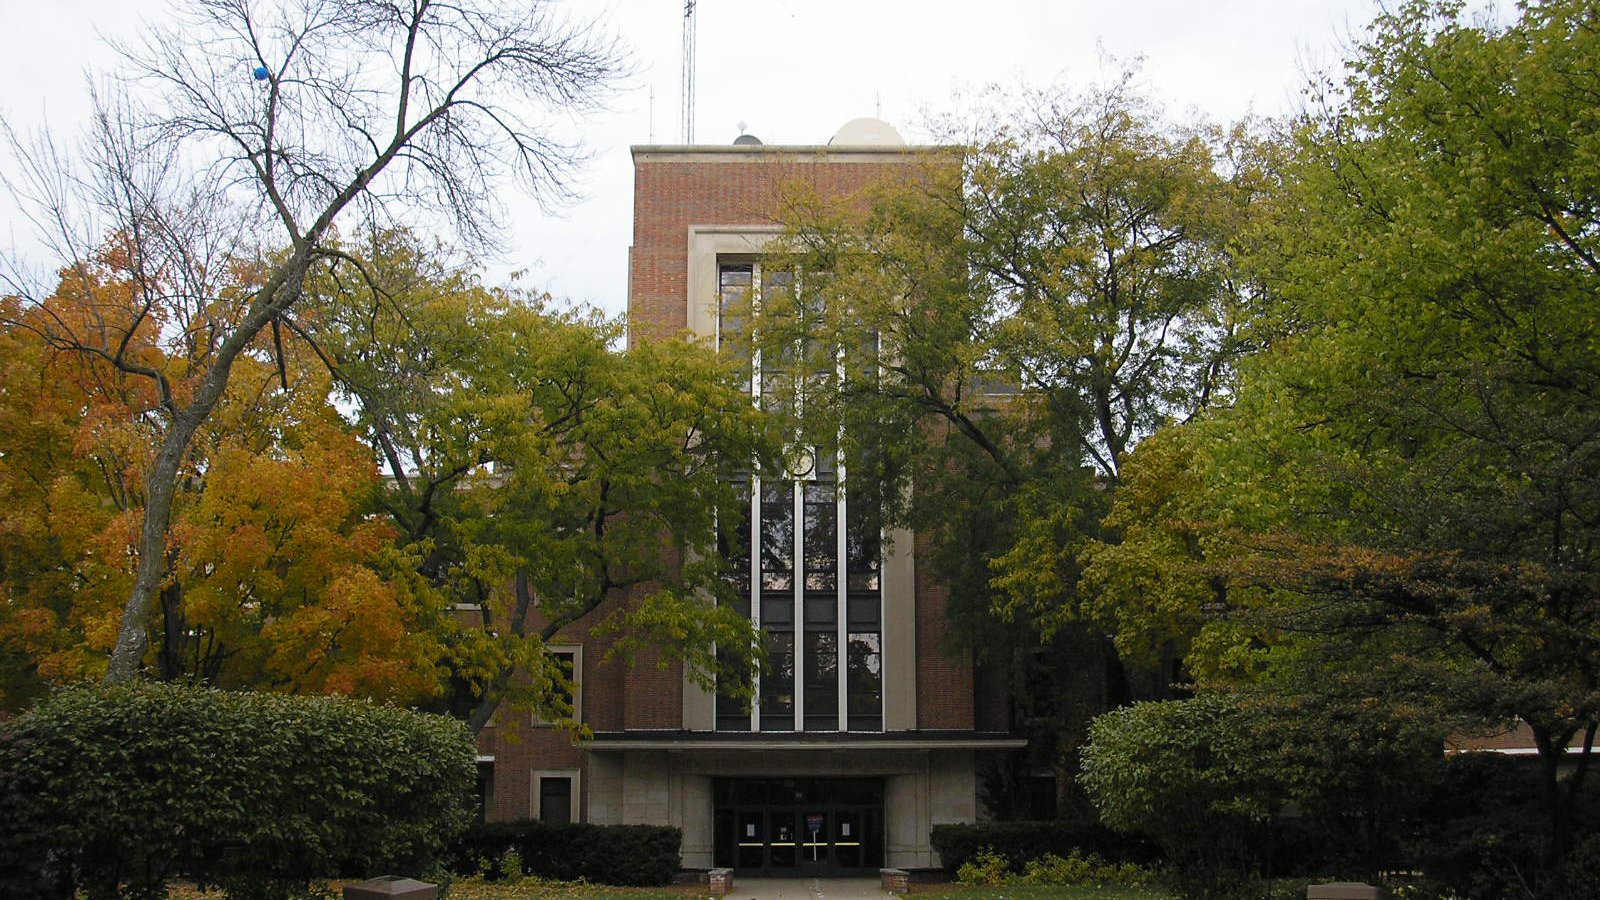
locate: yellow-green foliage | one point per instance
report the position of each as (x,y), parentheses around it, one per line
(990,869)
(986,869)
(1083,869)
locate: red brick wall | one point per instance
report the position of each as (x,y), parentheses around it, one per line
(944,679)
(519,748)
(725,188)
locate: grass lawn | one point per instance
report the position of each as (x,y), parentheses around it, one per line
(1037,892)
(531,889)
(528,889)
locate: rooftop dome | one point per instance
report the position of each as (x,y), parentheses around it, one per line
(747,140)
(866,132)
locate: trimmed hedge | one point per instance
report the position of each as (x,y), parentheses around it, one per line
(631,855)
(1023,842)
(257,793)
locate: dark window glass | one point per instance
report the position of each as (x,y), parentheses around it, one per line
(567,662)
(555,799)
(777,683)
(777,537)
(861,361)
(821,543)
(821,609)
(777,610)
(864,682)
(862,535)
(1042,797)
(732,335)
(485,790)
(778,392)
(862,611)
(733,542)
(725,828)
(733,713)
(822,681)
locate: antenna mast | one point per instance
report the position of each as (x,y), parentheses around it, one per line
(688,71)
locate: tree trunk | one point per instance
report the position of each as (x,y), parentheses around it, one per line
(160,485)
(174,633)
(484,711)
(1550,754)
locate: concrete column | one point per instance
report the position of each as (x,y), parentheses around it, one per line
(952,787)
(692,811)
(646,788)
(699,706)
(899,633)
(605,788)
(907,819)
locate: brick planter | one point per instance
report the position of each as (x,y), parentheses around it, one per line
(1344,890)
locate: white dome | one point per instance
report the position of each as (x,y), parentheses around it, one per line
(867,132)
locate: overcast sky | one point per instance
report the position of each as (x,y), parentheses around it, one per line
(793,71)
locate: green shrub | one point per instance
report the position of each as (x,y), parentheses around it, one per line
(255,793)
(1190,775)
(1055,870)
(1487,834)
(985,869)
(631,855)
(1079,869)
(1020,843)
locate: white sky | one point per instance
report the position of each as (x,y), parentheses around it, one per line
(793,70)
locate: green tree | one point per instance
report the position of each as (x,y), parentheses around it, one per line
(1406,491)
(1013,319)
(1209,779)
(537,474)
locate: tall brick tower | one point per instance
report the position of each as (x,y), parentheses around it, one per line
(865,732)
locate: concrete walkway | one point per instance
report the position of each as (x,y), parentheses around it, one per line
(806,889)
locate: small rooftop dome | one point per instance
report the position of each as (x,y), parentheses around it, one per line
(747,140)
(867,132)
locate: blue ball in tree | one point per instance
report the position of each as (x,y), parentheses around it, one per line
(262,74)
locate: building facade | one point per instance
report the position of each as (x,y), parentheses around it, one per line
(865,731)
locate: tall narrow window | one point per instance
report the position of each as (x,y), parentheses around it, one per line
(821,557)
(733,544)
(802,554)
(568,698)
(735,304)
(777,605)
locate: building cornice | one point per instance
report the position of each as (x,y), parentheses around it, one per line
(735,153)
(722,740)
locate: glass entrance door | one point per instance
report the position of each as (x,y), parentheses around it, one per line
(800,827)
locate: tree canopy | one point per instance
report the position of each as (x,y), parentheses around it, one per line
(1402,496)
(221,168)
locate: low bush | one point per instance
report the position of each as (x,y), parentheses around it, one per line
(988,868)
(1080,869)
(259,794)
(1019,843)
(630,855)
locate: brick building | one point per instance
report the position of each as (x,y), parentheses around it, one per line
(865,732)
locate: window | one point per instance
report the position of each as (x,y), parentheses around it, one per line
(555,796)
(485,787)
(569,659)
(802,552)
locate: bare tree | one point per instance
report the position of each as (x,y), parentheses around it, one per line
(221,164)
